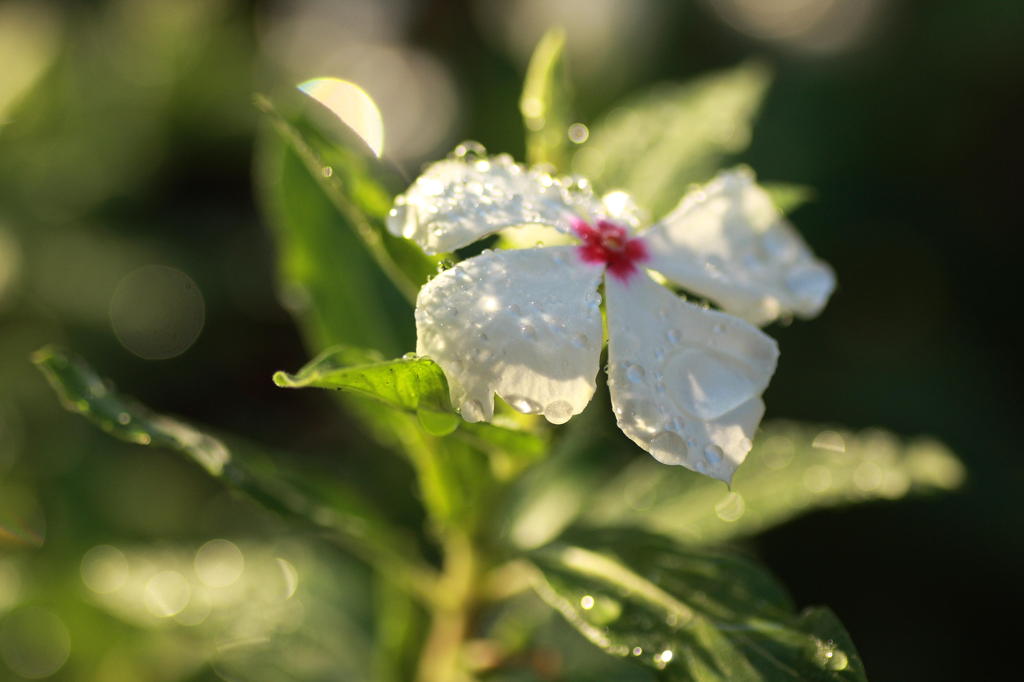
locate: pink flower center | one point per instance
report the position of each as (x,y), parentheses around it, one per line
(609,243)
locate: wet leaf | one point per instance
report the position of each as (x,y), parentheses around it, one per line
(545,102)
(407,383)
(326,196)
(412,384)
(326,505)
(691,614)
(793,468)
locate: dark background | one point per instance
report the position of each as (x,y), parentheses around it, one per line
(134,146)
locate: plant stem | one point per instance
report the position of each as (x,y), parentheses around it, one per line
(453,605)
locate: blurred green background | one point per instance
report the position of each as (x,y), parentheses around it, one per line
(126,148)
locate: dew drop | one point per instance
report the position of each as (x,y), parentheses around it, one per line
(718,328)
(587,602)
(731,507)
(638,651)
(409,356)
(659,354)
(673,336)
(578,133)
(469,150)
(525,405)
(528,331)
(514,309)
(713,454)
(668,448)
(580,341)
(558,412)
(662,659)
(635,373)
(124,418)
(829,657)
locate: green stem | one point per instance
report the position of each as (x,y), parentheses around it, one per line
(440,660)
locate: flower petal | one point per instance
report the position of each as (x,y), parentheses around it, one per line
(685,382)
(727,241)
(457,201)
(524,324)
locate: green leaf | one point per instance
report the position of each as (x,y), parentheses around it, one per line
(659,142)
(788,196)
(326,196)
(407,383)
(324,505)
(792,469)
(689,614)
(412,384)
(545,102)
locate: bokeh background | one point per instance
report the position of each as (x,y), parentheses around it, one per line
(126,146)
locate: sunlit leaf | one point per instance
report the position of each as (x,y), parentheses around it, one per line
(689,614)
(326,196)
(792,469)
(413,384)
(407,383)
(660,141)
(325,505)
(545,102)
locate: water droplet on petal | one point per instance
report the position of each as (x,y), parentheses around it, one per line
(635,373)
(580,340)
(528,331)
(469,150)
(713,454)
(673,336)
(668,448)
(514,309)
(558,412)
(525,405)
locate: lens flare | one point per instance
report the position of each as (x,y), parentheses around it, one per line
(352,105)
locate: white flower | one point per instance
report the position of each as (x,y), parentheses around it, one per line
(685,381)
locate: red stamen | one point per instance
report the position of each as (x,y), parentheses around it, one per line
(610,243)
